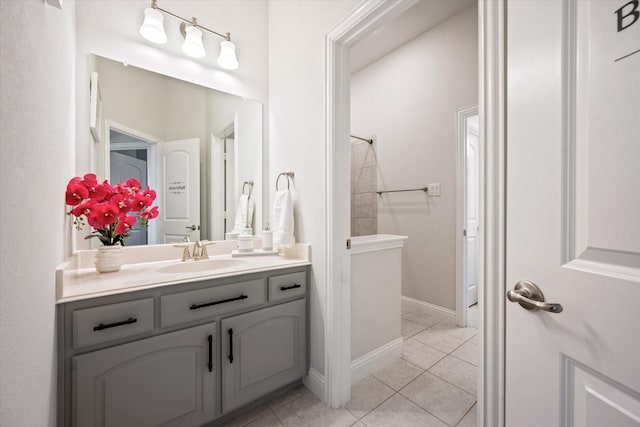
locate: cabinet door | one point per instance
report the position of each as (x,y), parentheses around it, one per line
(167,380)
(262,351)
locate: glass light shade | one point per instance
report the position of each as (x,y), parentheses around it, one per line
(192,45)
(152,28)
(227,58)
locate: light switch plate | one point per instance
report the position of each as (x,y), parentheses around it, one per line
(434,189)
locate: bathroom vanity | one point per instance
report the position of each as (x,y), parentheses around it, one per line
(184,345)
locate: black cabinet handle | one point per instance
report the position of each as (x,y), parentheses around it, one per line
(286,288)
(230,345)
(222,301)
(210,364)
(102,326)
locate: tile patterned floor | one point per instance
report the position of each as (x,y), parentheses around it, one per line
(433,384)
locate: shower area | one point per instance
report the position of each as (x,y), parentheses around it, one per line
(406,160)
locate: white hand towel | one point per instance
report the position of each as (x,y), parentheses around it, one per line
(282,220)
(244,214)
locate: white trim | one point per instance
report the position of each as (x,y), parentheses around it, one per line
(315,382)
(492,104)
(363,20)
(461,214)
(375,360)
(216,179)
(365,244)
(440,313)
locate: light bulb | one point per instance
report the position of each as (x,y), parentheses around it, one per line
(227,58)
(192,45)
(152,28)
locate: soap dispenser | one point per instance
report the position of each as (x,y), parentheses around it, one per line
(267,239)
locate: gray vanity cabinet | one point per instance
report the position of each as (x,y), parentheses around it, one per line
(165,380)
(185,354)
(261,351)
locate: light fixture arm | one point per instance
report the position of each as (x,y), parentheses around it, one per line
(193,22)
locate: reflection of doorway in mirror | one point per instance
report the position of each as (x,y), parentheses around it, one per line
(129,158)
(229,181)
(224,179)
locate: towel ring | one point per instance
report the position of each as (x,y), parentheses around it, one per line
(289,175)
(250,184)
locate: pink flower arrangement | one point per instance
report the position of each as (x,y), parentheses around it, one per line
(107,207)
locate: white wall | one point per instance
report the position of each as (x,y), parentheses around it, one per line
(409,99)
(37,127)
(297,31)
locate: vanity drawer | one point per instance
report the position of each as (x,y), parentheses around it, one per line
(287,286)
(201,304)
(110,322)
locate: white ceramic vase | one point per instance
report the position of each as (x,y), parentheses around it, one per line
(109,258)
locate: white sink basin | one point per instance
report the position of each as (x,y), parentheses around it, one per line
(197,266)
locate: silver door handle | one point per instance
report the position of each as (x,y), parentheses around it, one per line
(530,297)
(191,227)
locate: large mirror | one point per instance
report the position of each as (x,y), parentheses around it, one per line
(200,150)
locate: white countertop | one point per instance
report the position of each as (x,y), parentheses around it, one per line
(77,279)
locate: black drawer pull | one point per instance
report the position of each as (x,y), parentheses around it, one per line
(102,326)
(222,301)
(286,288)
(230,345)
(210,364)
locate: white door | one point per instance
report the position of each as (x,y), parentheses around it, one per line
(179,192)
(573,210)
(471,225)
(123,167)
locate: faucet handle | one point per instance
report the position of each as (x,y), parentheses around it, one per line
(185,253)
(203,250)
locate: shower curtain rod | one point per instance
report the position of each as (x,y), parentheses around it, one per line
(370,141)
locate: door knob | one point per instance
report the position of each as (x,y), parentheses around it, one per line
(192,227)
(530,297)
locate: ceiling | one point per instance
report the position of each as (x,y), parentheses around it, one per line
(419,18)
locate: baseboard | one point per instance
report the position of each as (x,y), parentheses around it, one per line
(314,381)
(375,360)
(441,313)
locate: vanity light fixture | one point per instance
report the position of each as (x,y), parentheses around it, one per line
(152,29)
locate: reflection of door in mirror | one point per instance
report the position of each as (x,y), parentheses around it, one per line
(172,169)
(129,159)
(229,181)
(179,201)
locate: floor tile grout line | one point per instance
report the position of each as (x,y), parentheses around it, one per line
(462,360)
(465,414)
(427,411)
(277,417)
(373,409)
(436,348)
(449,382)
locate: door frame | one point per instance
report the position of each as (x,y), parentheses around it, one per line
(364,19)
(462,307)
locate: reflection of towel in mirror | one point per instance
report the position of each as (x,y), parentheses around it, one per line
(282,220)
(244,214)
